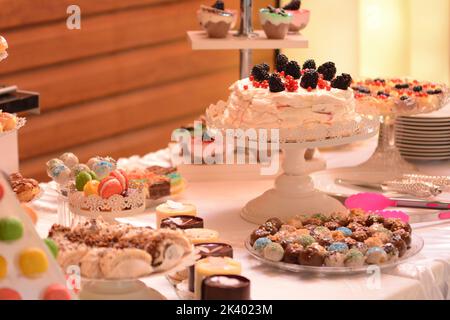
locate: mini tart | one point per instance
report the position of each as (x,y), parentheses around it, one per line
(216,22)
(275,24)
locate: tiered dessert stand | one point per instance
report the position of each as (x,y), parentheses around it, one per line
(245,40)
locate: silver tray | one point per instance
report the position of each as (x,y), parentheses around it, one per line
(416,245)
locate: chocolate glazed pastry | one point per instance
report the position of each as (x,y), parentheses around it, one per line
(182,222)
(210,249)
(226,287)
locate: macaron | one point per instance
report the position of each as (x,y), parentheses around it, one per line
(109,186)
(52,246)
(120,175)
(11,229)
(2,192)
(82,178)
(3,267)
(56,292)
(33,262)
(9,294)
(91,188)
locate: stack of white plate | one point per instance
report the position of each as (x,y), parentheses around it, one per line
(425,136)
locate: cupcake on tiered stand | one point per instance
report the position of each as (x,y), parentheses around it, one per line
(300,17)
(216,20)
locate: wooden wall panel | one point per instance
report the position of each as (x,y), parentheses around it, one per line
(118,86)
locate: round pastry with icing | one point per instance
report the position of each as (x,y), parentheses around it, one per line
(3,48)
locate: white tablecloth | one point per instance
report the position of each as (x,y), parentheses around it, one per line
(219,202)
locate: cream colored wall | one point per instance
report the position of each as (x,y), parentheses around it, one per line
(385,38)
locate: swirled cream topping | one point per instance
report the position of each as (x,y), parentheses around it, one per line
(251,107)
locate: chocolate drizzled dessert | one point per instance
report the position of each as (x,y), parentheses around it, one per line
(225,287)
(182,222)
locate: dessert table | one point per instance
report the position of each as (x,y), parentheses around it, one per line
(425,276)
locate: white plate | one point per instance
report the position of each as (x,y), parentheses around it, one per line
(423,153)
(422,140)
(423,128)
(422,147)
(416,246)
(440,134)
(426,158)
(423,124)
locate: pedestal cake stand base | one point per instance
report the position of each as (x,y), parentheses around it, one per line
(294,191)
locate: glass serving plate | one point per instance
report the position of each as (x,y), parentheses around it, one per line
(416,245)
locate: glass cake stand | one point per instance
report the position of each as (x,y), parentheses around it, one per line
(387,157)
(417,244)
(294,192)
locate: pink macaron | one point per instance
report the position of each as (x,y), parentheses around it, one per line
(56,292)
(120,175)
(109,186)
(9,294)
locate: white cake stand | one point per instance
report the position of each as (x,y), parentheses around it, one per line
(294,191)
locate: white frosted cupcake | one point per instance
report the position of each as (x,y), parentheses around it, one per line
(216,20)
(275,22)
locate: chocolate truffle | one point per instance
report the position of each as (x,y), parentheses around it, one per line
(360,235)
(210,249)
(355,226)
(400,244)
(273,252)
(376,255)
(374,218)
(275,222)
(391,251)
(334,259)
(361,246)
(269,226)
(332,225)
(406,236)
(311,257)
(225,287)
(258,233)
(182,222)
(292,252)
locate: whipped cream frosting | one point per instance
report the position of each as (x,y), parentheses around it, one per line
(250,107)
(274,18)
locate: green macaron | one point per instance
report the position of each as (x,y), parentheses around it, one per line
(11,229)
(52,246)
(82,178)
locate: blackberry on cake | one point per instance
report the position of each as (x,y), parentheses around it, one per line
(260,72)
(293,69)
(342,82)
(219,5)
(275,83)
(327,70)
(293,5)
(309,79)
(309,64)
(281,62)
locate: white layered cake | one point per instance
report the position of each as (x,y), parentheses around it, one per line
(292,97)
(251,107)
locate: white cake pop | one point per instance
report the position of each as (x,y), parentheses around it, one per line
(60,173)
(79,168)
(69,159)
(102,168)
